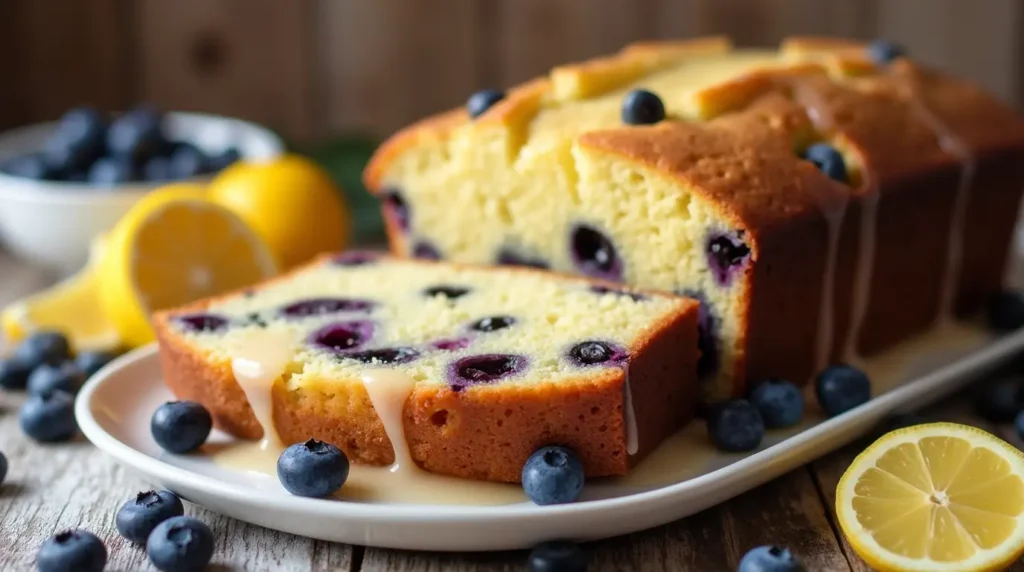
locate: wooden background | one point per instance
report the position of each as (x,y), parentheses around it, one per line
(316,68)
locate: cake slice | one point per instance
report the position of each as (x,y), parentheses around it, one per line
(505,361)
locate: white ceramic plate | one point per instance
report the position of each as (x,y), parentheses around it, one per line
(114,408)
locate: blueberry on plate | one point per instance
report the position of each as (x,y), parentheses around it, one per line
(840,388)
(180,426)
(1004,311)
(137,517)
(32,166)
(187,161)
(735,426)
(91,361)
(14,373)
(49,417)
(72,551)
(641,107)
(557,556)
(780,403)
(109,171)
(43,347)
(219,161)
(3,468)
(78,141)
(553,475)
(770,559)
(481,101)
(137,135)
(828,160)
(180,544)
(999,401)
(312,469)
(64,377)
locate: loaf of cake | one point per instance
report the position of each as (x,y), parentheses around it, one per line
(823,201)
(505,361)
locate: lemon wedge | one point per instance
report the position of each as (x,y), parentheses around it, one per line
(174,247)
(936,497)
(71,307)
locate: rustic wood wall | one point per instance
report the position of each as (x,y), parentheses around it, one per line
(310,68)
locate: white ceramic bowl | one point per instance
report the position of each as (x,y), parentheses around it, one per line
(51,223)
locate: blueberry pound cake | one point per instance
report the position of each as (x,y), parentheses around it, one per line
(822,201)
(505,361)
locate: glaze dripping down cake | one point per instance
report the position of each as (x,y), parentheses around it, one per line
(822,201)
(504,361)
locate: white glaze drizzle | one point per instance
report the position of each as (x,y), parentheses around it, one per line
(257,363)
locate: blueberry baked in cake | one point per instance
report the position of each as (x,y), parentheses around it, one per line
(505,361)
(822,201)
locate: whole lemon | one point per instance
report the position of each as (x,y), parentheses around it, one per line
(291,203)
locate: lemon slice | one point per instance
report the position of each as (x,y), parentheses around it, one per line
(172,248)
(71,307)
(935,497)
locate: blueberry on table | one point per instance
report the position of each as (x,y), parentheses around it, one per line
(481,101)
(43,347)
(1004,311)
(137,135)
(79,140)
(312,469)
(14,373)
(770,559)
(180,544)
(72,551)
(180,426)
(999,401)
(840,388)
(780,403)
(3,468)
(828,160)
(735,426)
(32,166)
(641,107)
(557,556)
(137,517)
(109,171)
(49,417)
(47,378)
(91,361)
(187,161)
(553,475)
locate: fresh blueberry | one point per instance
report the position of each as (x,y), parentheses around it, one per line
(312,469)
(999,401)
(557,556)
(594,352)
(341,336)
(91,361)
(78,141)
(481,101)
(780,403)
(180,426)
(14,373)
(187,161)
(840,388)
(219,161)
(641,107)
(137,517)
(46,378)
(3,468)
(770,559)
(449,292)
(49,417)
(726,254)
(320,306)
(884,51)
(594,254)
(137,135)
(109,171)
(486,368)
(198,323)
(157,169)
(1004,311)
(492,323)
(43,348)
(385,355)
(735,426)
(553,475)
(828,160)
(396,208)
(32,166)
(508,257)
(72,551)
(425,251)
(180,544)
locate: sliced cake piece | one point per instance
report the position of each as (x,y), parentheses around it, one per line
(505,360)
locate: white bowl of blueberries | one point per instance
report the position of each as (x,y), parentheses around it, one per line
(63,183)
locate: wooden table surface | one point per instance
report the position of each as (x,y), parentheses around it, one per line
(54,487)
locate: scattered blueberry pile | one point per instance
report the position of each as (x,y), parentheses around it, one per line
(43,364)
(770,559)
(88,146)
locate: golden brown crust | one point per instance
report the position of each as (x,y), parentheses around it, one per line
(483,432)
